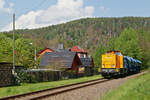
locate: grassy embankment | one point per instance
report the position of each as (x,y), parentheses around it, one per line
(134,89)
(24,88)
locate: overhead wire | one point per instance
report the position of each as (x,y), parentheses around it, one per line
(39,5)
(36,7)
(18,13)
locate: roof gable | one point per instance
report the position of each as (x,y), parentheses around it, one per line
(78,49)
(45,50)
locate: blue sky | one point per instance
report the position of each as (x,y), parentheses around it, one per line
(40,13)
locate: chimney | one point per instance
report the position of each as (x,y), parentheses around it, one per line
(60,46)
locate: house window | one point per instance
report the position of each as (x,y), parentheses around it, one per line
(84,55)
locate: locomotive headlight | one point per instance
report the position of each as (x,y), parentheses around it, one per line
(117,70)
(103,66)
(113,65)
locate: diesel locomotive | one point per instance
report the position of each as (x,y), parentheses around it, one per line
(114,64)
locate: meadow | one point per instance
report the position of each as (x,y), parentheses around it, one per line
(135,89)
(26,87)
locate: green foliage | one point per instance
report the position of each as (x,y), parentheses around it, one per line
(25,88)
(127,43)
(97,56)
(134,89)
(10,35)
(24,52)
(131,43)
(24,77)
(16,80)
(135,44)
(130,35)
(144,44)
(111,44)
(83,32)
(6,51)
(68,74)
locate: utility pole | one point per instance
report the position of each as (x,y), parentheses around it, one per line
(35,54)
(13,71)
(34,51)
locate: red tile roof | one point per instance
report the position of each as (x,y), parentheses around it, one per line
(78,49)
(45,50)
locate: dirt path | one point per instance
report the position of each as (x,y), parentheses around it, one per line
(93,92)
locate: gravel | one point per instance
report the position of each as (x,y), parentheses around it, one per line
(93,92)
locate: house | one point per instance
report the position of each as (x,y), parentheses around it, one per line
(83,55)
(75,59)
(80,51)
(65,60)
(44,51)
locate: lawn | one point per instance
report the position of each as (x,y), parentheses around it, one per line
(24,88)
(134,89)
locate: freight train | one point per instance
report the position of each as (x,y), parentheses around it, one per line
(114,64)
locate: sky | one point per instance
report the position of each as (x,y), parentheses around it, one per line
(40,13)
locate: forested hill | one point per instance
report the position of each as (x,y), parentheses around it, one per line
(84,32)
(130,35)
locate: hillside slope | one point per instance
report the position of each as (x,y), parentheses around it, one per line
(96,35)
(88,33)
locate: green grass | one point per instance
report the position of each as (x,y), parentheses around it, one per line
(134,89)
(24,88)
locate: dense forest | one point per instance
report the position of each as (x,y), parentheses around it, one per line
(130,35)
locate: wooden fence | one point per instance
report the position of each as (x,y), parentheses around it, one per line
(42,75)
(37,75)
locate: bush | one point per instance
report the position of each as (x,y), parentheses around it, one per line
(38,76)
(68,74)
(89,71)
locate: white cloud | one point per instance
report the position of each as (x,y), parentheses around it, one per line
(11,4)
(62,11)
(4,9)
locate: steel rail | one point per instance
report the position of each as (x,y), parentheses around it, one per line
(83,84)
(67,90)
(45,90)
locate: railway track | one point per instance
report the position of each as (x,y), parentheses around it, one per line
(46,93)
(37,95)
